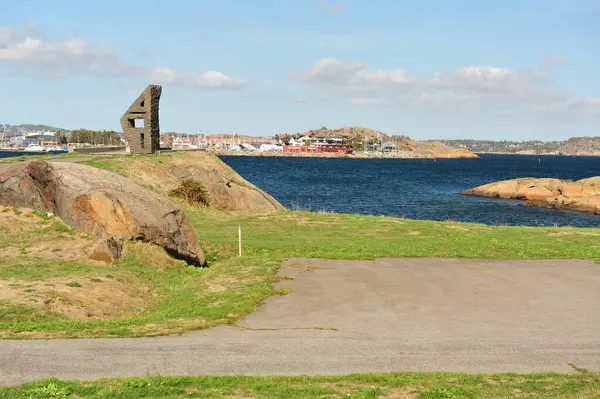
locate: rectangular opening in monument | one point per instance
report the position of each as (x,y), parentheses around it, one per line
(142,140)
(139,123)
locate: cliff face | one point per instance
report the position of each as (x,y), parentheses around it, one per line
(582,195)
(165,172)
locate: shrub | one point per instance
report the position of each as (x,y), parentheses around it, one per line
(192,192)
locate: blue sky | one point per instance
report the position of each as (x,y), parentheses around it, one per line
(516,70)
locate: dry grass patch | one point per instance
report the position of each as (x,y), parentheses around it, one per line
(77,297)
(573,233)
(402,393)
(31,234)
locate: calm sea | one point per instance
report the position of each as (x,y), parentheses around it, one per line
(415,189)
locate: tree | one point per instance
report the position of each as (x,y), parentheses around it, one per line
(95,137)
(323,127)
(307,143)
(286,140)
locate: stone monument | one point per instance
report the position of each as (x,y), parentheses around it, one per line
(144,138)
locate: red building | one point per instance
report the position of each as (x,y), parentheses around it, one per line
(312,148)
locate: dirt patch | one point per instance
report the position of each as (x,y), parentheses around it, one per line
(305,222)
(391,221)
(573,233)
(62,248)
(402,393)
(413,233)
(14,222)
(30,235)
(239,394)
(80,297)
(9,252)
(12,292)
(461,228)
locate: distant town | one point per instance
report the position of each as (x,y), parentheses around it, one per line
(342,141)
(347,140)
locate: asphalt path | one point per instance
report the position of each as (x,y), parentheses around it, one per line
(342,317)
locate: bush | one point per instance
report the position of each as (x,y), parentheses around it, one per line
(192,192)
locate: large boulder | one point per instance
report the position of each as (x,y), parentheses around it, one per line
(100,203)
(582,195)
(166,172)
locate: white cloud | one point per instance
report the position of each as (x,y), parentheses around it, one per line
(211,79)
(490,79)
(370,101)
(333,74)
(218,79)
(494,90)
(577,106)
(332,9)
(554,59)
(28,54)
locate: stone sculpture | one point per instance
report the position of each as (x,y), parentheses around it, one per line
(144,139)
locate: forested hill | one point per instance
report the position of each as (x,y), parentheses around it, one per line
(16,130)
(572,146)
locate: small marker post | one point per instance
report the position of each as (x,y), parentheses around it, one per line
(240,239)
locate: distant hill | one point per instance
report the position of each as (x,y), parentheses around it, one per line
(580,146)
(16,130)
(357,135)
(572,146)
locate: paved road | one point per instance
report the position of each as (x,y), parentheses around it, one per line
(365,316)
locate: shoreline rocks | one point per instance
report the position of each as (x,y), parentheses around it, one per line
(102,204)
(390,155)
(582,195)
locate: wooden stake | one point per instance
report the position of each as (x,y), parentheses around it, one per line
(240,239)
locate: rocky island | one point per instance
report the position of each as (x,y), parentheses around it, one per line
(582,195)
(349,142)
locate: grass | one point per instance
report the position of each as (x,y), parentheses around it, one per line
(342,236)
(401,385)
(44,157)
(184,298)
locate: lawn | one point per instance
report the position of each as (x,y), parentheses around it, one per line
(401,385)
(48,291)
(343,236)
(57,296)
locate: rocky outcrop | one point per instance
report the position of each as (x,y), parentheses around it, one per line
(582,195)
(406,147)
(100,203)
(166,172)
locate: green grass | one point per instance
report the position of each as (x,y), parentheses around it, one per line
(401,385)
(105,163)
(341,236)
(45,157)
(120,164)
(186,298)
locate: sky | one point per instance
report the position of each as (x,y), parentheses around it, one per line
(498,70)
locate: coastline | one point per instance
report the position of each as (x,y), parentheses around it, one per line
(538,154)
(389,155)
